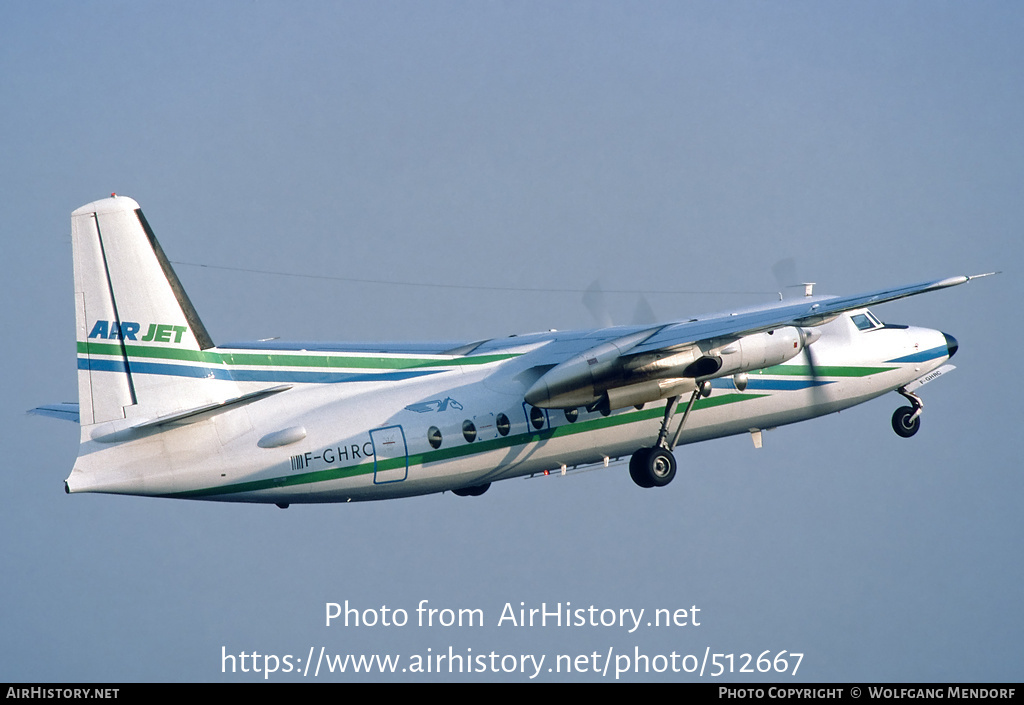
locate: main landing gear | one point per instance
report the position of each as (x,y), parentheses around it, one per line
(652,467)
(474,491)
(906,420)
(656,466)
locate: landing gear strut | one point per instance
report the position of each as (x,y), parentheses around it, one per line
(655,467)
(906,420)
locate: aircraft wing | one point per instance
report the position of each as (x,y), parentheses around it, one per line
(666,361)
(809,311)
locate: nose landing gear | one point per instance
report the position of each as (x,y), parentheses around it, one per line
(906,420)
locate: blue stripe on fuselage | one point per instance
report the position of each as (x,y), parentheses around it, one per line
(771,385)
(247,375)
(924,355)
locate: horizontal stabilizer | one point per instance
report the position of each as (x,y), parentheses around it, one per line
(188,416)
(192,415)
(67,411)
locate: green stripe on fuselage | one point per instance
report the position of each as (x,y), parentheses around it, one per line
(459,451)
(275,359)
(822,371)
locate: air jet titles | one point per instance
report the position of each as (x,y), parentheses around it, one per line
(127,330)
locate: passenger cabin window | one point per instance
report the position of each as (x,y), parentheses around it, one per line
(536,418)
(434,437)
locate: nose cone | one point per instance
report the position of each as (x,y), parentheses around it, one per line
(951,344)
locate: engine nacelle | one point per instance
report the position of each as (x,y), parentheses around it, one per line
(606,376)
(644,392)
(582,379)
(756,351)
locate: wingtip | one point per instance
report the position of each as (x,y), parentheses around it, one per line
(962,279)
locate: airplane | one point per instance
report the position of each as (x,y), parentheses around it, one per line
(165,412)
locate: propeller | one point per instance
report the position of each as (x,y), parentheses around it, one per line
(785,272)
(597,303)
(643,314)
(808,336)
(786,277)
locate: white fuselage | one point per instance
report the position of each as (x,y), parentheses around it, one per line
(378,426)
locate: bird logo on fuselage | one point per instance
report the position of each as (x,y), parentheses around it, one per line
(434,405)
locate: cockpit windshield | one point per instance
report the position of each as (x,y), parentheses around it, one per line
(866,320)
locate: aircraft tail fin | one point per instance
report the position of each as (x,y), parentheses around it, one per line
(140,341)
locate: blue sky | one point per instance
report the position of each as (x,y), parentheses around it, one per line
(656,147)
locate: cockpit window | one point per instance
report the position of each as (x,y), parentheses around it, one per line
(865,321)
(862,322)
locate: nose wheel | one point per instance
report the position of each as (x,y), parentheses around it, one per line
(906,420)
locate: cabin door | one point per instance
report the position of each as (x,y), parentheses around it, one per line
(390,455)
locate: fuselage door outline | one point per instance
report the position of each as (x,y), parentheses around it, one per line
(537,419)
(389,444)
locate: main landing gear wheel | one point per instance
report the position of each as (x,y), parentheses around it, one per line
(904,421)
(475,491)
(652,467)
